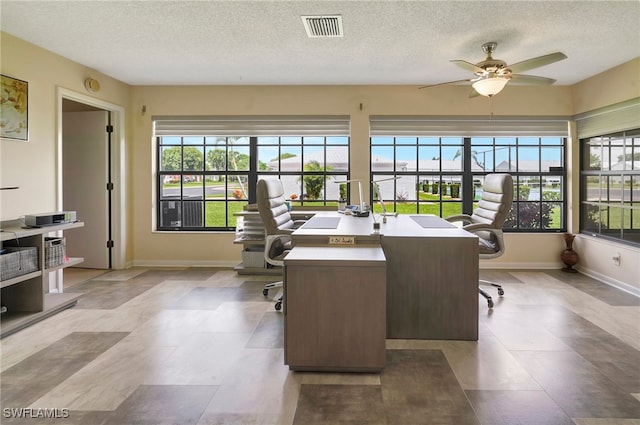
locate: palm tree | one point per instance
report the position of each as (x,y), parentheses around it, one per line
(313,183)
(216,159)
(474,156)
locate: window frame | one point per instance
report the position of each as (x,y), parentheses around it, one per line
(468,175)
(609,175)
(252,174)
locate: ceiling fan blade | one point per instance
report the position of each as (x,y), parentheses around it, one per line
(537,62)
(531,80)
(448,82)
(467,65)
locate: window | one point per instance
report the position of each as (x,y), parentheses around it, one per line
(610,186)
(610,172)
(308,166)
(443,175)
(205,178)
(202,181)
(428,174)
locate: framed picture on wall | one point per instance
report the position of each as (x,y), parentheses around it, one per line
(14,108)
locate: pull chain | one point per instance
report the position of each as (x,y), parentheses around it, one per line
(490,108)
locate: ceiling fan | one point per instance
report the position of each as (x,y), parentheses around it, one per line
(491,75)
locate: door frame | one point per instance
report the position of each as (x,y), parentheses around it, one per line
(118,161)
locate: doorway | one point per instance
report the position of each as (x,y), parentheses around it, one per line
(86,171)
(89,158)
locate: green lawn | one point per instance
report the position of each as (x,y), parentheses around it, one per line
(216,216)
(621,218)
(215,213)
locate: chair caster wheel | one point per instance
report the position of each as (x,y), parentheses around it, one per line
(490,303)
(278,306)
(500,291)
(265,292)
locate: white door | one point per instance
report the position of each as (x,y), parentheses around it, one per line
(85,173)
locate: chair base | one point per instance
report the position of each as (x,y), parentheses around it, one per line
(265,292)
(486,295)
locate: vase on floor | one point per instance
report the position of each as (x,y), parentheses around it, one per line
(569,256)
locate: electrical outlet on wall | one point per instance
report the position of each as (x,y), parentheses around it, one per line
(616,259)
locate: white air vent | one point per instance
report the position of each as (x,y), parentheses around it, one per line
(323,26)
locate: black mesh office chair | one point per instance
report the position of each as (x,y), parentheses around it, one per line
(487,221)
(278,226)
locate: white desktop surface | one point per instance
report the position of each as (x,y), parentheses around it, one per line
(400,226)
(405,226)
(333,255)
(360,228)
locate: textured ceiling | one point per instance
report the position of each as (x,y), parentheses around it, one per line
(264,42)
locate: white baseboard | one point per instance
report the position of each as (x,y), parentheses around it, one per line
(609,281)
(486,264)
(489,264)
(185,263)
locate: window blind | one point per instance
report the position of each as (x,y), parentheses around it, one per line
(468,126)
(335,125)
(611,119)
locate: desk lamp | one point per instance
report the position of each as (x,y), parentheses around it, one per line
(376,192)
(361,206)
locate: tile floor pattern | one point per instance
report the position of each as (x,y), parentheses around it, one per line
(203,346)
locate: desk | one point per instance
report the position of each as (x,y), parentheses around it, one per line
(432,274)
(360,228)
(335,309)
(432,281)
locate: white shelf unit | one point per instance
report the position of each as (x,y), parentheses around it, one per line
(27,297)
(250,234)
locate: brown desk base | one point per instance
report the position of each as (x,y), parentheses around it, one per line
(432,287)
(335,309)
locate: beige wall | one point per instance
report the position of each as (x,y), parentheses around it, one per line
(152,247)
(32,165)
(596,254)
(612,86)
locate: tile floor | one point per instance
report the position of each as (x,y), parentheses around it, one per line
(203,346)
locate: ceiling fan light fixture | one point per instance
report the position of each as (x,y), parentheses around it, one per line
(490,86)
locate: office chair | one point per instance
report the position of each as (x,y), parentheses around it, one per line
(487,221)
(278,226)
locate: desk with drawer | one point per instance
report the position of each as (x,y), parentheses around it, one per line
(335,308)
(431,271)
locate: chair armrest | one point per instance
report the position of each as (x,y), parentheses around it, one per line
(498,238)
(465,218)
(298,223)
(269,241)
(476,227)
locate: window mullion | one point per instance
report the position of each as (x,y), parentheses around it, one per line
(467,177)
(253,169)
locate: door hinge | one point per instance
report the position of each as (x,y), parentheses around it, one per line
(109,186)
(109,244)
(109,128)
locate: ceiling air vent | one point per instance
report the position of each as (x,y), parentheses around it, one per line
(323,26)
